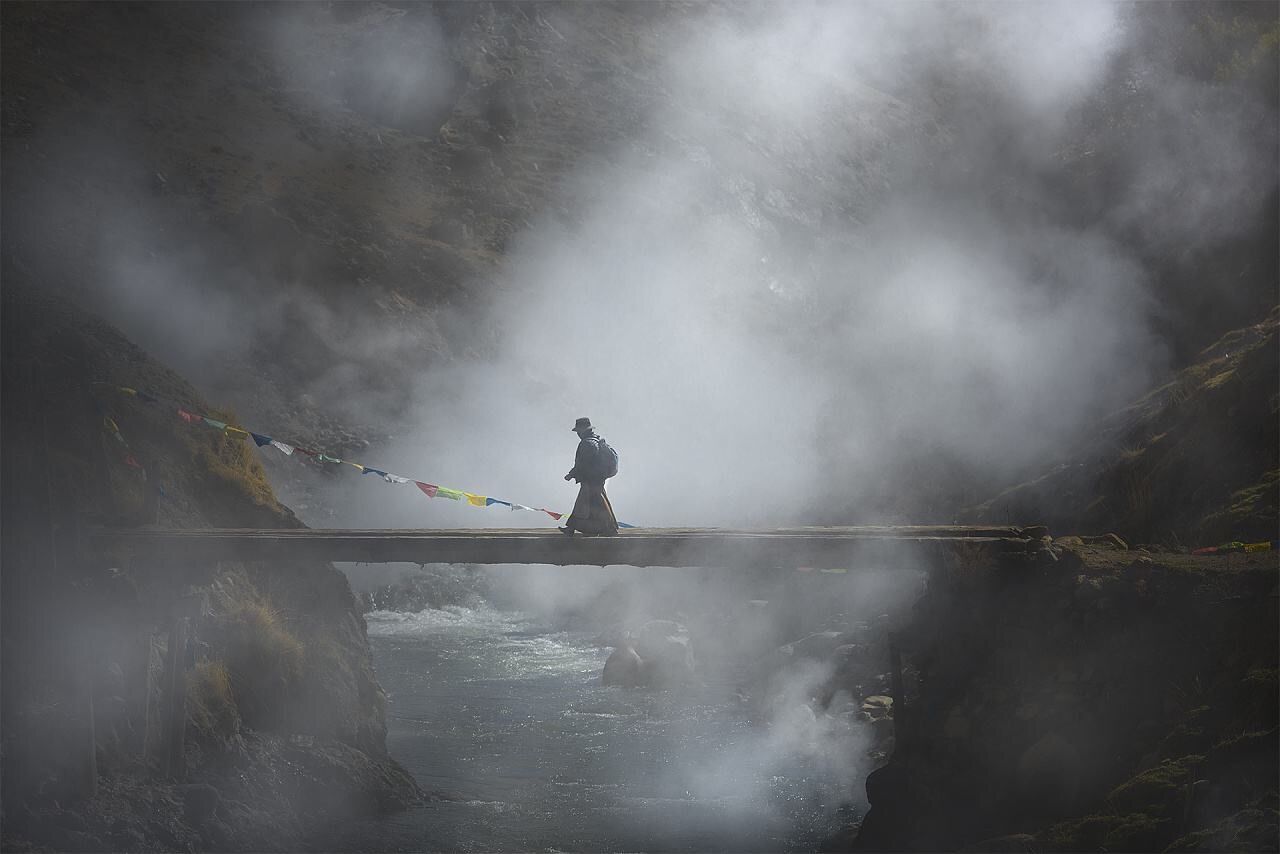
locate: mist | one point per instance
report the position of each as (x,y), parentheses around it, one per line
(821,262)
(813,263)
(740,341)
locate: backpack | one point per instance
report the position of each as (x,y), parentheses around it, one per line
(606,459)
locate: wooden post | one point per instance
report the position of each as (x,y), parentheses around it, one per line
(175,706)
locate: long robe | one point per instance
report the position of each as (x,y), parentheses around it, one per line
(592,512)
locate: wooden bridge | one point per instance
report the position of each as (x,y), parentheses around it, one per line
(679,547)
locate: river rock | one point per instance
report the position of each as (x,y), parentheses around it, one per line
(817,645)
(624,668)
(664,649)
(878,706)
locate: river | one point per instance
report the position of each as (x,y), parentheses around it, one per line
(505,714)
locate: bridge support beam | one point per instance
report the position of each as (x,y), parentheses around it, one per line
(825,548)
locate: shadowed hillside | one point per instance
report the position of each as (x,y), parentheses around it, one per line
(1195,462)
(284,722)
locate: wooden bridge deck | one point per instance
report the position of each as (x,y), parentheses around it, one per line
(783,547)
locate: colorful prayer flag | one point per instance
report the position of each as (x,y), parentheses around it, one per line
(428,489)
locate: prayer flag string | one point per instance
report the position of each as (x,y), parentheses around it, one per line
(262,440)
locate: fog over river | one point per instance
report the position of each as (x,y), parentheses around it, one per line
(495,702)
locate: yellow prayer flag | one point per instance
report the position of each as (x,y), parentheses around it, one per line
(477,500)
(231,429)
(127,390)
(357,465)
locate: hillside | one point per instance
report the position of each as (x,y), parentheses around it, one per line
(284,719)
(1196,462)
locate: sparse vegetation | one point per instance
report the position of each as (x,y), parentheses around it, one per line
(211,704)
(265,661)
(229,462)
(1159,791)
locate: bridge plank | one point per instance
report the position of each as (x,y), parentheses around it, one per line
(788,548)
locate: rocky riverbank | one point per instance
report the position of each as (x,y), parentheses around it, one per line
(1102,699)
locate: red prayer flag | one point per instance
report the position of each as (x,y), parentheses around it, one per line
(428,488)
(132,461)
(552,514)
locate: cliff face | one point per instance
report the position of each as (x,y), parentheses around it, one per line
(282,722)
(1100,700)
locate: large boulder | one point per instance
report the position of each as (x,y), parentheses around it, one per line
(624,668)
(663,646)
(657,655)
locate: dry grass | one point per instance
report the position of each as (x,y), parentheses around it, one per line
(211,704)
(265,661)
(230,460)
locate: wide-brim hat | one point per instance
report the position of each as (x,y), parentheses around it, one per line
(582,424)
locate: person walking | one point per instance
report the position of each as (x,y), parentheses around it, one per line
(593,463)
